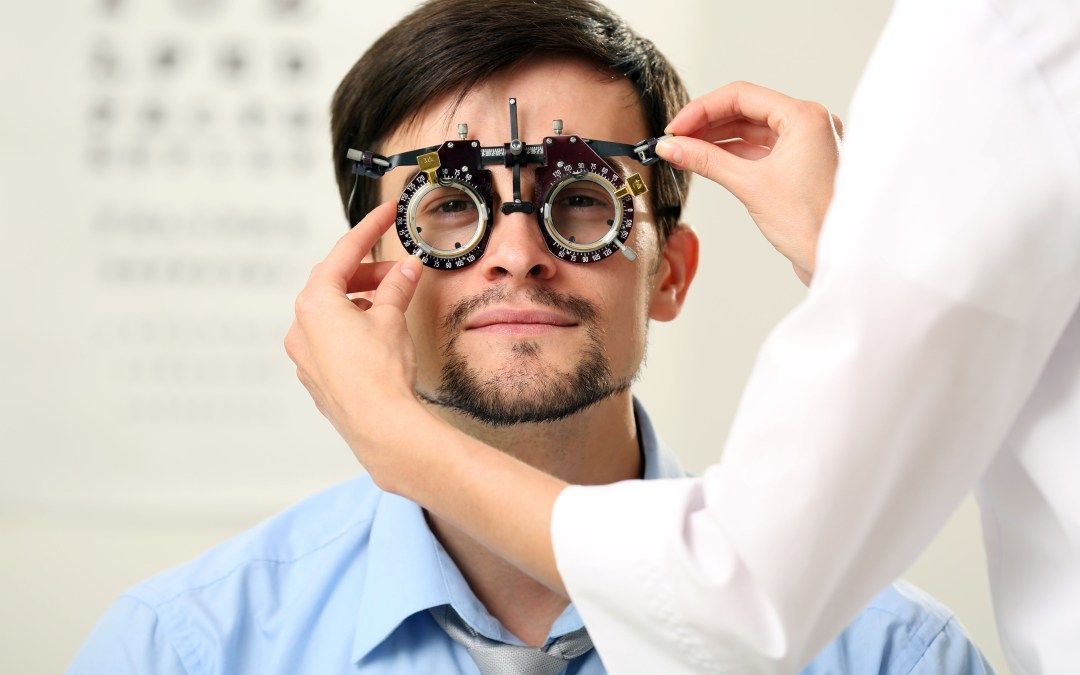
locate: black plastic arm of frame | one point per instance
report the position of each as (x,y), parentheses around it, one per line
(644,152)
(373,165)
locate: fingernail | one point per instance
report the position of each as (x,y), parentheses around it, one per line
(410,268)
(669,150)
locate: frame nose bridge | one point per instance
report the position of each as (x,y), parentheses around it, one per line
(515,194)
(514,226)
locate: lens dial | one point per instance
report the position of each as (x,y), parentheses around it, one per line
(587,210)
(446,222)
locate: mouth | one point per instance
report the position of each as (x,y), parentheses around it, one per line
(506,321)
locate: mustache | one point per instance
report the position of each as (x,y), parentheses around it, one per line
(579,308)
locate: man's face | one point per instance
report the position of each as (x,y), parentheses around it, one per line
(519,335)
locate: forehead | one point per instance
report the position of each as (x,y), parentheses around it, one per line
(591,102)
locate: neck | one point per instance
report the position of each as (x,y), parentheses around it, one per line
(596,446)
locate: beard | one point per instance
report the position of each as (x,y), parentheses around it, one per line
(526,389)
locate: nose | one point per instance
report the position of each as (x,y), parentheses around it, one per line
(517,250)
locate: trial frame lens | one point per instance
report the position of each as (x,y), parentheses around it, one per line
(611,220)
(416,221)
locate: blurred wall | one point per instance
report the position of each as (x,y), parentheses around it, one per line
(165,186)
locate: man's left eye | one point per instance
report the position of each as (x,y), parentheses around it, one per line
(453,206)
(581,201)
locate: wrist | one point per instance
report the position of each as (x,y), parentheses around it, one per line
(406,449)
(384,444)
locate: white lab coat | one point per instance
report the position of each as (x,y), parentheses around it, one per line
(938,350)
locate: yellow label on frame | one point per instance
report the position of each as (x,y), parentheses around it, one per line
(429,163)
(634,186)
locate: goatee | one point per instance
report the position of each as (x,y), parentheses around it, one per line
(526,389)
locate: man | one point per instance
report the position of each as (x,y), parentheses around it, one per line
(524,351)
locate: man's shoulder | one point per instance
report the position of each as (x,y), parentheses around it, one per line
(902,630)
(908,604)
(303,565)
(331,522)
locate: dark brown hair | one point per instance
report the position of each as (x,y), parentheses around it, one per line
(471,40)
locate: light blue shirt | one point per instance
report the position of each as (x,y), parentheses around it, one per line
(340,583)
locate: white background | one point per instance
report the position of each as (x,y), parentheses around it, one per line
(160,209)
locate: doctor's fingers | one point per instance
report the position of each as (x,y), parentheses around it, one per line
(711,160)
(337,270)
(745,150)
(399,284)
(740,106)
(731,102)
(368,276)
(748,130)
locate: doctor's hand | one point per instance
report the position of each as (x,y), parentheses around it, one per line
(356,359)
(354,356)
(778,155)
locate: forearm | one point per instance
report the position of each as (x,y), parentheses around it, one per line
(500,501)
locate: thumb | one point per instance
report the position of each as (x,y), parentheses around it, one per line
(705,159)
(398,286)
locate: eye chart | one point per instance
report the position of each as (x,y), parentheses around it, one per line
(167,186)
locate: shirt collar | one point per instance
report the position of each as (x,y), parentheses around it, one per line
(402,548)
(403,574)
(659,461)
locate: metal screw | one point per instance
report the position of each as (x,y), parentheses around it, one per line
(559,163)
(450,144)
(548,141)
(557,126)
(463,130)
(573,139)
(474,144)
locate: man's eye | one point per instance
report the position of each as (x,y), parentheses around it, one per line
(453,206)
(581,201)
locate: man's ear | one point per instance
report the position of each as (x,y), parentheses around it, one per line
(678,265)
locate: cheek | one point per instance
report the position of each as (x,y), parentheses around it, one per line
(625,309)
(645,238)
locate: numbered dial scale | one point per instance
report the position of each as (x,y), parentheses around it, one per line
(443,214)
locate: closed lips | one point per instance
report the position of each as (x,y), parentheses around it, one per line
(518,316)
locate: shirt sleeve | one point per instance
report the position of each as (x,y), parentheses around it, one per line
(951,652)
(129,638)
(948,268)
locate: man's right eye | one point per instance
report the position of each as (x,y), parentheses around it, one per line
(453,206)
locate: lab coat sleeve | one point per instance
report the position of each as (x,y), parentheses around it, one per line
(948,267)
